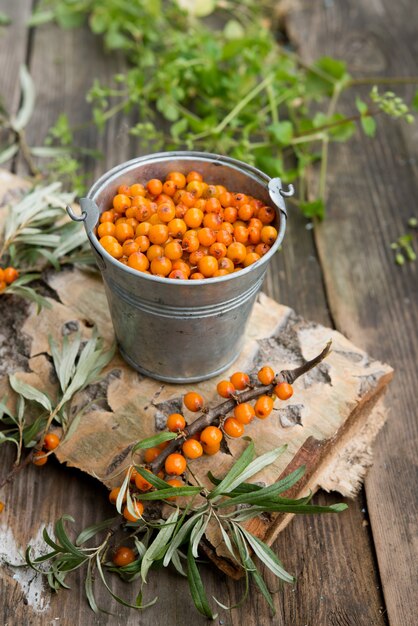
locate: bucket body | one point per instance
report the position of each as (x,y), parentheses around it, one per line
(180,330)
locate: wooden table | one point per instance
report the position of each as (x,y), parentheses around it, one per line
(355,568)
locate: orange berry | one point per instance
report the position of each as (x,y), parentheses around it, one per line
(226,264)
(106,228)
(233,427)
(137,190)
(178,178)
(121,202)
(225,198)
(107,216)
(154,251)
(123,232)
(283,391)
(173,250)
(230,214)
(218,250)
(169,188)
(175,422)
(142,483)
(193,401)
(192,449)
(263,407)
(39,458)
(266,375)
(113,495)
(166,212)
(193,218)
(207,266)
(161,266)
(190,243)
(210,450)
(129,247)
(223,236)
(262,249)
(213,205)
(254,235)
(211,435)
(239,199)
(244,413)
(250,258)
(142,229)
(177,228)
(193,176)
(151,454)
(174,482)
(266,214)
(220,273)
(158,234)
(138,261)
(154,186)
(175,464)
(177,275)
(236,252)
(245,212)
(124,189)
(138,508)
(212,221)
(268,235)
(240,380)
(197,276)
(123,556)
(225,389)
(51,441)
(182,266)
(142,242)
(206,236)
(241,234)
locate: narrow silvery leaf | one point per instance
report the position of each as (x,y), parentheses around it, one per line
(158,544)
(181,536)
(268,557)
(196,587)
(8,153)
(28,100)
(175,559)
(256,466)
(121,495)
(197,534)
(235,471)
(29,392)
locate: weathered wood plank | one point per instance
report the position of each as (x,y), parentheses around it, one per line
(372,193)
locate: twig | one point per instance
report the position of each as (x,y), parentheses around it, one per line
(215,415)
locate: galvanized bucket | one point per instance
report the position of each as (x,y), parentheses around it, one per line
(180,330)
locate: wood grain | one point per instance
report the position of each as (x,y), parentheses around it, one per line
(372,193)
(331,555)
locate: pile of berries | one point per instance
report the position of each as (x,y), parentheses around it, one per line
(184,228)
(208,440)
(7,276)
(51,441)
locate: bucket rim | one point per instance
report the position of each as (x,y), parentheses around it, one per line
(245,168)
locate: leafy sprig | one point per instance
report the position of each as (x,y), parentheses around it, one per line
(177,539)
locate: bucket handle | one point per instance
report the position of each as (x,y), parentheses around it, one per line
(90,214)
(277,194)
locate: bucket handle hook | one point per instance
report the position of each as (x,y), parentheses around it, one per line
(277,193)
(74,217)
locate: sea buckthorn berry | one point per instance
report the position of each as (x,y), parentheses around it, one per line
(212,221)
(121,202)
(142,229)
(175,422)
(218,250)
(175,464)
(151,454)
(262,249)
(166,212)
(194,176)
(195,257)
(161,265)
(131,221)
(190,243)
(225,389)
(233,427)
(138,261)
(177,228)
(138,508)
(244,413)
(193,401)
(154,186)
(226,264)
(123,556)
(173,250)
(223,236)
(245,212)
(124,189)
(137,190)
(283,391)
(51,441)
(250,258)
(208,266)
(263,407)
(230,214)
(154,251)
(193,218)
(266,375)
(177,275)
(241,234)
(10,274)
(174,482)
(228,227)
(196,188)
(220,273)
(240,380)
(236,252)
(123,232)
(106,228)
(225,198)
(211,435)
(266,214)
(192,449)
(107,216)
(239,199)
(197,276)
(254,235)
(142,244)
(210,450)
(206,236)
(39,458)
(132,473)
(182,266)
(169,188)
(268,235)
(142,483)
(113,495)
(213,205)
(114,249)
(158,234)
(178,178)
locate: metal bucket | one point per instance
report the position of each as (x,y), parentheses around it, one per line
(180,330)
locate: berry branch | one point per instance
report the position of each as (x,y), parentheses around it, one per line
(216,415)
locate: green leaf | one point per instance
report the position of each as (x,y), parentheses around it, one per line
(29,294)
(197,8)
(234,30)
(315,208)
(29,392)
(63,538)
(267,556)
(170,492)
(30,432)
(368,125)
(116,597)
(259,581)
(196,587)
(28,100)
(159,543)
(40,17)
(155,440)
(239,466)
(8,153)
(282,132)
(361,105)
(88,586)
(90,531)
(155,481)
(5,20)
(180,536)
